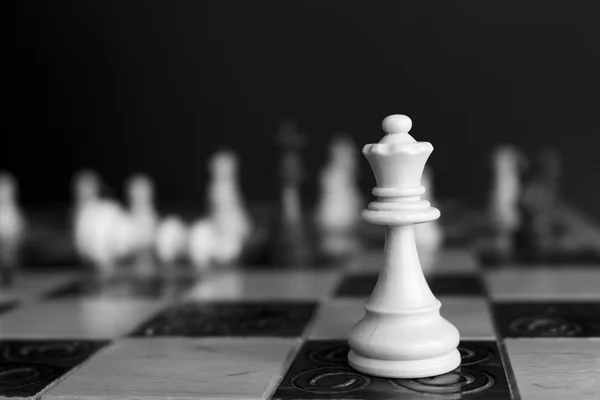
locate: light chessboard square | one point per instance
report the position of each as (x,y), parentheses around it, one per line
(515,284)
(178,368)
(265,285)
(556,369)
(470,315)
(76,319)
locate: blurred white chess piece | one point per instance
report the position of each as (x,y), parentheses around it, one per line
(202,241)
(338,210)
(226,208)
(507,163)
(171,239)
(140,196)
(107,235)
(340,203)
(86,188)
(12,222)
(86,191)
(429,236)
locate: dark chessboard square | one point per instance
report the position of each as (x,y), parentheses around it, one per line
(489,259)
(560,259)
(27,367)
(362,285)
(321,371)
(587,256)
(557,320)
(155,287)
(201,319)
(456,285)
(457,242)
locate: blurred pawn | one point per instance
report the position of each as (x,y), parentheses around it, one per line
(201,244)
(107,235)
(226,207)
(86,191)
(171,240)
(140,196)
(12,227)
(429,236)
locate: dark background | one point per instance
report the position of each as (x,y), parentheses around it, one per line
(157,86)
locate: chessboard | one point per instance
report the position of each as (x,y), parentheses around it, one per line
(528,331)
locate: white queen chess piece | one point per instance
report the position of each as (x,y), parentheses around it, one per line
(402,334)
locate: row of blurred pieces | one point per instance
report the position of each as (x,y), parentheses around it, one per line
(529,222)
(107,234)
(521,216)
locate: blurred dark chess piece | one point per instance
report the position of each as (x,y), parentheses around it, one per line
(49,244)
(290,245)
(537,239)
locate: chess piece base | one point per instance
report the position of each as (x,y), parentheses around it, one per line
(405,368)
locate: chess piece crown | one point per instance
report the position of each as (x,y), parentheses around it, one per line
(398,161)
